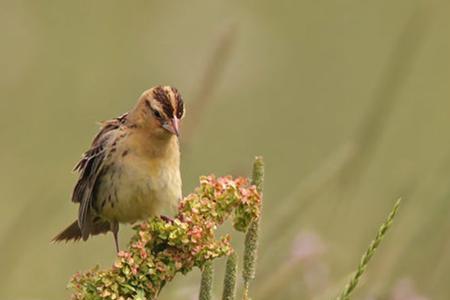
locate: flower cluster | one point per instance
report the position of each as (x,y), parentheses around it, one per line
(163,247)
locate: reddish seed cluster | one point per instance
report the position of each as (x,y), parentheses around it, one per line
(161,248)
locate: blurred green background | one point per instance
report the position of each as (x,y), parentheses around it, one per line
(348,102)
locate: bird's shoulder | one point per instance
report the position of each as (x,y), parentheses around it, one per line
(110,131)
(92,161)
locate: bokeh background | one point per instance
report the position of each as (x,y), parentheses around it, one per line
(348,102)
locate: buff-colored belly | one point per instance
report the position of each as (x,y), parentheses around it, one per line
(137,193)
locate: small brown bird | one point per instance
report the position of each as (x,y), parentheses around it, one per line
(132,169)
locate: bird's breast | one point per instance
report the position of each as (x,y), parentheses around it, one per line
(141,188)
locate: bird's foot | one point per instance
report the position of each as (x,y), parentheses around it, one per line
(166,219)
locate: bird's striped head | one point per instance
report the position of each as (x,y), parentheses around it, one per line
(161,107)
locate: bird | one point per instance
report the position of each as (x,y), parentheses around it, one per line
(132,169)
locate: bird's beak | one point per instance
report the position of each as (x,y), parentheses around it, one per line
(173,126)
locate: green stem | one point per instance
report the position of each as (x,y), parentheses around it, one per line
(207,281)
(229,283)
(351,285)
(251,237)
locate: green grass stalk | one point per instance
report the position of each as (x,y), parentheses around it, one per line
(251,237)
(229,283)
(206,282)
(351,285)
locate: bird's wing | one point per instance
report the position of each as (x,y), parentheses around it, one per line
(90,167)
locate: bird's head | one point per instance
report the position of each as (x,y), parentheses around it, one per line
(159,110)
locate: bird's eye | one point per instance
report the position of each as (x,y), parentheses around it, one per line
(157,114)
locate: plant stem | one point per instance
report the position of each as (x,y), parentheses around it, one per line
(351,285)
(207,281)
(251,237)
(229,283)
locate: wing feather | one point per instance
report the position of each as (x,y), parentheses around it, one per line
(90,167)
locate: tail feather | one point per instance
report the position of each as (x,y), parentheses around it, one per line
(73,232)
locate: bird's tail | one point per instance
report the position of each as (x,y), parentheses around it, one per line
(72,232)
